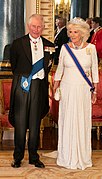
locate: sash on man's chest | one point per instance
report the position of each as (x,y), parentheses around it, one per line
(25,82)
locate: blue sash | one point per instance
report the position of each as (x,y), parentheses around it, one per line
(79,67)
(25,82)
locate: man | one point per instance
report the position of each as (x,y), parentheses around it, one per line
(31,58)
(97,36)
(89,21)
(60,38)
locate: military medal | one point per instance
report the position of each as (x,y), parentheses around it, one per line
(35,46)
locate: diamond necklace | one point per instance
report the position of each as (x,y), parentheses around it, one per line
(77,47)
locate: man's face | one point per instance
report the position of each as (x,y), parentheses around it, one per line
(35,27)
(94,25)
(57,21)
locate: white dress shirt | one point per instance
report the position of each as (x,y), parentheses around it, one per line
(37,54)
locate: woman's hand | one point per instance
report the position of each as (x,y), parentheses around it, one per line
(56,85)
(94,94)
(94,97)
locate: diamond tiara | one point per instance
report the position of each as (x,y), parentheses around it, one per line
(80,21)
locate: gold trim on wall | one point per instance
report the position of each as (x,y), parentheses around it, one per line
(37,6)
(46,8)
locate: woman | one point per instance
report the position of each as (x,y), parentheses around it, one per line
(74,123)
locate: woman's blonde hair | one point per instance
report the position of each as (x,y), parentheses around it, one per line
(81,25)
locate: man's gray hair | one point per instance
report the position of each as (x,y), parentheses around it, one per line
(37,16)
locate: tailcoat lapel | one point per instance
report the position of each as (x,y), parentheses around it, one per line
(46,54)
(27,47)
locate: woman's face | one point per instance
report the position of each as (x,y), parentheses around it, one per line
(75,35)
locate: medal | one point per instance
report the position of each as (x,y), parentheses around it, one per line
(25,84)
(88,51)
(35,46)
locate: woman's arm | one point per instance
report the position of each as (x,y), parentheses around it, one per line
(94,94)
(56,85)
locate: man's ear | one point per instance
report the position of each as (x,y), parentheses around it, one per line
(44,27)
(28,26)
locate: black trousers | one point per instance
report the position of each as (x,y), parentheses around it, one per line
(27,109)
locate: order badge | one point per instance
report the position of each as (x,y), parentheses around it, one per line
(25,84)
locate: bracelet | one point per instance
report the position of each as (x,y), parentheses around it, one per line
(95,92)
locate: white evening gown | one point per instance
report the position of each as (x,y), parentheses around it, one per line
(74,123)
